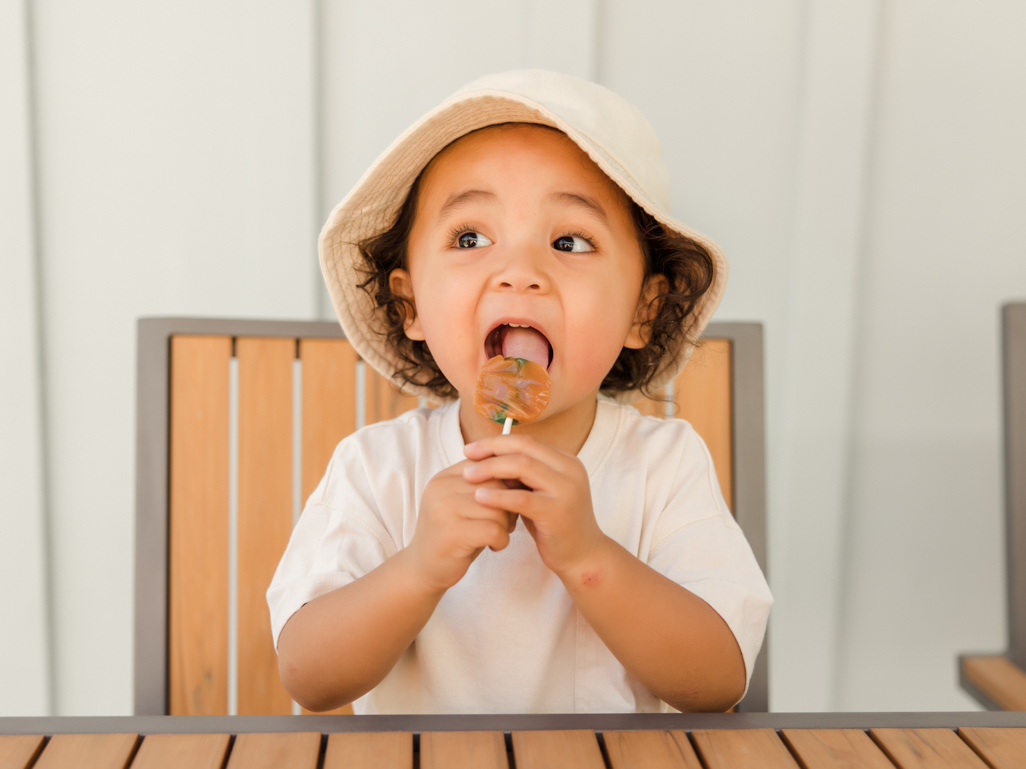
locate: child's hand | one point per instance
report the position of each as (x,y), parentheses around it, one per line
(556,505)
(453,528)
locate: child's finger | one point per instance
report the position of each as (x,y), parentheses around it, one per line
(487,534)
(529,470)
(472,510)
(500,445)
(526,503)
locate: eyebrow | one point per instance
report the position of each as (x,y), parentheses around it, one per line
(458,199)
(583,201)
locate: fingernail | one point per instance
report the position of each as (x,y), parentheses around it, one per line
(471,445)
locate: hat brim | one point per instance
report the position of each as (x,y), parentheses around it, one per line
(373,204)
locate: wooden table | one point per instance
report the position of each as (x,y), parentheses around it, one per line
(709,741)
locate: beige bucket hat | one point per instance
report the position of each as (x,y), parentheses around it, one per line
(613,133)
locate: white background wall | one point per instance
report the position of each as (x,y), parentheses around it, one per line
(860,161)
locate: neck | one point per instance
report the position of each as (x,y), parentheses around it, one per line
(567,430)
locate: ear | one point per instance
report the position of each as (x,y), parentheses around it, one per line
(646,311)
(402,286)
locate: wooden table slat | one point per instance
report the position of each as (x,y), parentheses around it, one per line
(926,749)
(1001,748)
(463,750)
(574,749)
(358,750)
(170,751)
(88,751)
(282,750)
(835,749)
(742,748)
(650,750)
(18,751)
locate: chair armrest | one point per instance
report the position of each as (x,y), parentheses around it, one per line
(994,680)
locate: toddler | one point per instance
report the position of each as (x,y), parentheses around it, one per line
(587,562)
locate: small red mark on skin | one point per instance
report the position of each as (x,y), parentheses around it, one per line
(591,578)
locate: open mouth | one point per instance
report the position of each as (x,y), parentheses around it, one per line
(519,340)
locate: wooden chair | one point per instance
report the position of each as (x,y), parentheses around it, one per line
(236,423)
(998,681)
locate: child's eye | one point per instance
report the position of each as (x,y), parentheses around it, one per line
(572,243)
(472,240)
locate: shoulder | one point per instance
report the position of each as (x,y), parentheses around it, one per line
(668,451)
(651,435)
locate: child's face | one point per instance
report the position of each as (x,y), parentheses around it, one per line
(516,225)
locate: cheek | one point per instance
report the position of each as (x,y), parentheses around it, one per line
(600,327)
(445,316)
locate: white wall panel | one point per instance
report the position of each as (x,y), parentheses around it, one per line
(812,447)
(722,83)
(925,579)
(175,146)
(24,624)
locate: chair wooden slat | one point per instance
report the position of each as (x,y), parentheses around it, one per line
(19,751)
(650,750)
(265,512)
(998,678)
(702,394)
(171,751)
(383,400)
(1001,748)
(329,403)
(742,749)
(88,751)
(835,749)
(574,749)
(926,749)
(328,413)
(358,750)
(463,750)
(282,750)
(198,587)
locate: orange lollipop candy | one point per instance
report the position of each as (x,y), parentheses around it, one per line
(512,391)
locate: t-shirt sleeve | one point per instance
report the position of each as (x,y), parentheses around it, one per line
(697,543)
(339,538)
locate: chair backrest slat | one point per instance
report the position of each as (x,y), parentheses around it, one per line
(383,400)
(265,501)
(702,395)
(329,398)
(198,589)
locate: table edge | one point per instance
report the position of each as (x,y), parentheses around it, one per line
(599,722)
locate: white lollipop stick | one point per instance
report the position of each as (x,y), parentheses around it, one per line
(507,426)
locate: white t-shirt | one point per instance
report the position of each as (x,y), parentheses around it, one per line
(507,638)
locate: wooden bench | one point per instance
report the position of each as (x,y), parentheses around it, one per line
(236,423)
(998,681)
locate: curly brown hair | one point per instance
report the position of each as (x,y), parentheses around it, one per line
(686,265)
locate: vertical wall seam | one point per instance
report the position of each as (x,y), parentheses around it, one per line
(872,133)
(49,614)
(321,307)
(598,26)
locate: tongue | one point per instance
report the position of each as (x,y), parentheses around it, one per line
(526,343)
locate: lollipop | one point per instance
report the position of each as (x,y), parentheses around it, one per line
(511,391)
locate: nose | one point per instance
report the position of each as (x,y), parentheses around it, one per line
(523,271)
